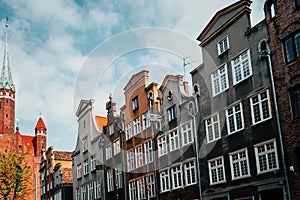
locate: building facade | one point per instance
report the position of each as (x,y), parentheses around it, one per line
(240,153)
(114,154)
(87,158)
(283,18)
(11,137)
(176,142)
(140,101)
(56,175)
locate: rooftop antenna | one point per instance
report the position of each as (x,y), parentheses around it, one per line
(185,63)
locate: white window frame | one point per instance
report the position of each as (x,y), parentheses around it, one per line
(91,191)
(213,165)
(148,152)
(110,180)
(79,170)
(132,190)
(86,167)
(212,126)
(93,163)
(83,192)
(238,65)
(171,113)
(130,159)
(162,145)
(145,120)
(176,174)
(266,154)
(150,181)
(138,151)
(135,103)
(174,141)
(164,180)
(98,191)
(234,116)
(117,147)
(219,80)
(187,133)
(77,195)
(240,161)
(108,151)
(261,109)
(190,172)
(119,177)
(140,186)
(136,126)
(221,45)
(111,129)
(128,130)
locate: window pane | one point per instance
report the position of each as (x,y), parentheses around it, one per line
(289,50)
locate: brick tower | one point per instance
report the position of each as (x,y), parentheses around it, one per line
(40,137)
(7,95)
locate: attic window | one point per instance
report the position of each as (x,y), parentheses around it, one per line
(135,103)
(223,45)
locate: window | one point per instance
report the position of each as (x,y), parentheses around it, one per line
(295,101)
(130,160)
(239,164)
(266,157)
(190,173)
(148,152)
(93,163)
(234,118)
(119,178)
(292,47)
(186,133)
(146,120)
(136,126)
(85,167)
(84,144)
(216,171)
(132,190)
(241,67)
(79,171)
(135,103)
(162,145)
(110,180)
(140,184)
(176,174)
(108,151)
(223,45)
(91,191)
(83,192)
(171,113)
(174,140)
(77,194)
(260,107)
(111,129)
(212,128)
(117,147)
(297,2)
(219,80)
(97,189)
(164,181)
(138,156)
(128,131)
(150,181)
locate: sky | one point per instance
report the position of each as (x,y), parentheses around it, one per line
(63,51)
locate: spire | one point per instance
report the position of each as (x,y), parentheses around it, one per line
(6,81)
(40,124)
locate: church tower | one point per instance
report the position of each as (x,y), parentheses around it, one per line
(7,94)
(40,138)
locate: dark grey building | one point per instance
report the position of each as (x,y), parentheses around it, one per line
(240,154)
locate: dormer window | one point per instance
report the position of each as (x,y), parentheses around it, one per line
(135,103)
(223,45)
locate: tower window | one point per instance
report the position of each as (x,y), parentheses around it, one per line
(6,115)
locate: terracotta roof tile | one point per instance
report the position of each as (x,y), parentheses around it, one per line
(62,155)
(101,121)
(40,124)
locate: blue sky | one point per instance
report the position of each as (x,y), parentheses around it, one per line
(55,45)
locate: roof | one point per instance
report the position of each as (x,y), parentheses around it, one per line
(101,121)
(209,31)
(40,124)
(28,139)
(67,175)
(62,155)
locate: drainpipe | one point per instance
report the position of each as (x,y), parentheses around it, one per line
(266,54)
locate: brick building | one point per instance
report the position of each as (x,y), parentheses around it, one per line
(56,175)
(282,19)
(15,140)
